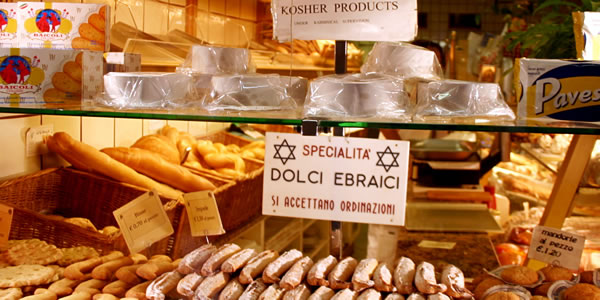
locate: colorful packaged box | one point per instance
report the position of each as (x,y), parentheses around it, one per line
(551,89)
(64,25)
(49,76)
(8,25)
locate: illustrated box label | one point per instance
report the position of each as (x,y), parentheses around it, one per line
(335,178)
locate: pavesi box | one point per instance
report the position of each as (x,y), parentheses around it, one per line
(551,89)
(63,25)
(8,24)
(35,76)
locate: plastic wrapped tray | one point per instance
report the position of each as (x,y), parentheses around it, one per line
(357,95)
(402,60)
(255,92)
(208,59)
(145,89)
(448,100)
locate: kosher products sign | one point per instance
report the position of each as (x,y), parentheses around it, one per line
(335,178)
(356,20)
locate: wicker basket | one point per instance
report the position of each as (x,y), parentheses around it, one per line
(72,193)
(239,202)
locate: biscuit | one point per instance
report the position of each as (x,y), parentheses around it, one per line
(520,275)
(503,296)
(82,222)
(74,70)
(63,82)
(33,253)
(110,231)
(54,95)
(25,275)
(539,298)
(11,294)
(88,32)
(485,285)
(97,21)
(79,59)
(76,254)
(102,11)
(542,290)
(82,43)
(554,273)
(582,291)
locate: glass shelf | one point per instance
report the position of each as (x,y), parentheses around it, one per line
(295,118)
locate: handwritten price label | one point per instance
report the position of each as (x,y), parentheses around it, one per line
(143,222)
(34,142)
(6,215)
(556,247)
(203,214)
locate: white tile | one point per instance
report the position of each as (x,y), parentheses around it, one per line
(248,10)
(198,128)
(155,17)
(180,125)
(152,126)
(127,131)
(14,161)
(98,132)
(217,6)
(233,8)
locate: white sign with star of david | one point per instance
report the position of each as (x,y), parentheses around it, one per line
(335,178)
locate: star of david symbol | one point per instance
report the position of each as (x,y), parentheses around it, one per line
(388,159)
(282,154)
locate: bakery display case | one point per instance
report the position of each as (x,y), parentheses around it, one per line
(481,179)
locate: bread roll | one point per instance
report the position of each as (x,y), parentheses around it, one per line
(161,145)
(88,158)
(155,166)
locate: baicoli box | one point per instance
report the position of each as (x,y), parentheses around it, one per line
(550,89)
(8,25)
(63,25)
(49,76)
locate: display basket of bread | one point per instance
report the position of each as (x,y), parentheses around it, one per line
(68,207)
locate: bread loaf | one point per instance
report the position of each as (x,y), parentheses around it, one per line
(155,166)
(161,145)
(88,158)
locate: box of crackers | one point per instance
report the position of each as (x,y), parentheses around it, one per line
(8,25)
(63,25)
(49,76)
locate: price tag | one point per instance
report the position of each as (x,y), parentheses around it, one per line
(143,222)
(203,214)
(6,215)
(556,247)
(437,245)
(34,144)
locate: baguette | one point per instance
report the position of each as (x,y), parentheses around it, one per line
(160,145)
(88,158)
(156,167)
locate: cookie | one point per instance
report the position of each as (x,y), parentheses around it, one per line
(485,285)
(97,21)
(25,275)
(102,12)
(11,294)
(33,253)
(82,222)
(520,275)
(88,32)
(542,290)
(82,43)
(582,291)
(553,273)
(503,296)
(54,95)
(79,59)
(76,254)
(73,69)
(63,82)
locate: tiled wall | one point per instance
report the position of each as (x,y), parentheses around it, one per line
(225,22)
(438,17)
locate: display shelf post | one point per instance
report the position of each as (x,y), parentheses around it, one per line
(561,201)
